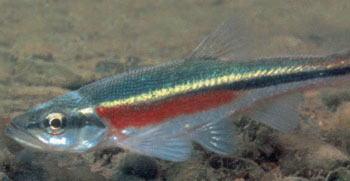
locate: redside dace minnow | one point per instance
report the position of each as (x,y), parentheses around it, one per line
(160,110)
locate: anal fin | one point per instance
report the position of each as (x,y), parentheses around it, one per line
(217,136)
(280,113)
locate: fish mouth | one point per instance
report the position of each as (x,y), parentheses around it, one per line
(21,136)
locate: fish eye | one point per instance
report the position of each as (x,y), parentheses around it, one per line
(54,123)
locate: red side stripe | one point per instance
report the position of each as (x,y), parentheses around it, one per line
(144,115)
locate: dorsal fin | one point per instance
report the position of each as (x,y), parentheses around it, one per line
(232,40)
(226,41)
(244,38)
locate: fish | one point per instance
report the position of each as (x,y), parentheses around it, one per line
(160,110)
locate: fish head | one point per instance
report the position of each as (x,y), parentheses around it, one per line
(58,125)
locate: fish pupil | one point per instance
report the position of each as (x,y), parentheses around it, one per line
(55,123)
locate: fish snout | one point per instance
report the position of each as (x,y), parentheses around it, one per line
(16,130)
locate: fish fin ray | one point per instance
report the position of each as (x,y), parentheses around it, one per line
(240,38)
(279,113)
(217,136)
(226,40)
(235,39)
(157,143)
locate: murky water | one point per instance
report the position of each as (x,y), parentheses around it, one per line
(48,48)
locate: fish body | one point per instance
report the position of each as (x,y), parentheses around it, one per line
(160,110)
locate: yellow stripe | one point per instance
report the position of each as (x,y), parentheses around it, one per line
(192,86)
